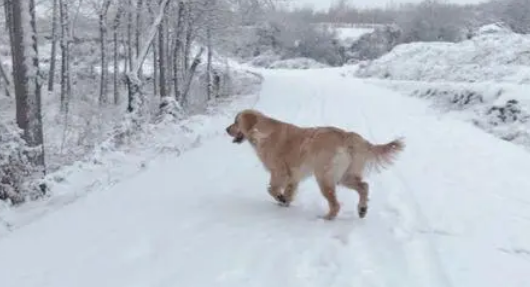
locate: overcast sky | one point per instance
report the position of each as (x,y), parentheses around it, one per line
(324,4)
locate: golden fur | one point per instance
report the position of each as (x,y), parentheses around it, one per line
(291,153)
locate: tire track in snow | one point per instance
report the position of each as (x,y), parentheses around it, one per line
(348,254)
(388,248)
(372,248)
(409,219)
(383,248)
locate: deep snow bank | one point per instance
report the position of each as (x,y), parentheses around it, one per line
(498,55)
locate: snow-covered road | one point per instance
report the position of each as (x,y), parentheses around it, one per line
(453,211)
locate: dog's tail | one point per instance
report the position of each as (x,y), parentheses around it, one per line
(381,156)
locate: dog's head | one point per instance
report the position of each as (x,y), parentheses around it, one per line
(243,123)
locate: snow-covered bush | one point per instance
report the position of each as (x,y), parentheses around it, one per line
(347,36)
(170,107)
(432,20)
(493,28)
(517,14)
(289,38)
(17,173)
(509,112)
(456,99)
(307,41)
(227,81)
(297,63)
(374,44)
(266,59)
(500,109)
(500,56)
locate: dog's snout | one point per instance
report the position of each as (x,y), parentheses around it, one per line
(227,130)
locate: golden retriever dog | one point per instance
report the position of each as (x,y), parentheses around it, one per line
(291,153)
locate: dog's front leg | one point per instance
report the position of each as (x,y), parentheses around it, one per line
(290,192)
(275,192)
(276,184)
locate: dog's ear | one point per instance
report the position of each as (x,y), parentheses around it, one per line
(248,121)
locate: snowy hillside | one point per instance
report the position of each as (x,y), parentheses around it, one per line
(502,56)
(203,217)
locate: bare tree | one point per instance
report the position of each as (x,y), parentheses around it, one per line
(209,45)
(189,76)
(139,26)
(432,20)
(516,13)
(26,78)
(116,56)
(65,55)
(51,73)
(5,79)
(103,88)
(162,56)
(134,84)
(130,40)
(177,50)
(8,9)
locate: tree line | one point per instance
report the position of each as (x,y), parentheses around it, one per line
(106,44)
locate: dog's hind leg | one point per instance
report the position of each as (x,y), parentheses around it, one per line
(327,188)
(355,182)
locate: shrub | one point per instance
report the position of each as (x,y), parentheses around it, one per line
(17,174)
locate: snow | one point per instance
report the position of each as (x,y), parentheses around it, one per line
(297,63)
(494,28)
(493,67)
(477,103)
(349,35)
(109,164)
(270,60)
(138,62)
(500,57)
(452,211)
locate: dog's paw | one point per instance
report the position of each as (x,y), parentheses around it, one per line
(328,217)
(362,210)
(282,200)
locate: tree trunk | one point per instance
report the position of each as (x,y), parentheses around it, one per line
(8,9)
(155,54)
(7,12)
(65,56)
(134,84)
(188,38)
(177,49)
(139,5)
(116,55)
(51,73)
(190,75)
(155,69)
(129,33)
(7,82)
(26,78)
(161,59)
(209,87)
(103,83)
